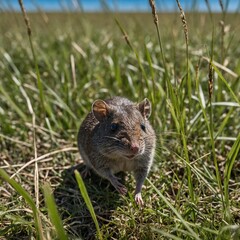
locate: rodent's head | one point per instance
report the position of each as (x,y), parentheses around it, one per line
(123,129)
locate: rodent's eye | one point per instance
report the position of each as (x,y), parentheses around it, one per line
(114,126)
(143,127)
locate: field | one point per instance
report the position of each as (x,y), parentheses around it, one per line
(190,72)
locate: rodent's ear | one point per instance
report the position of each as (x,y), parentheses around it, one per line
(100,109)
(145,108)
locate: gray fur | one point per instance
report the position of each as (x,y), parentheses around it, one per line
(108,152)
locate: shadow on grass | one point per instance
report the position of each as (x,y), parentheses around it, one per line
(73,209)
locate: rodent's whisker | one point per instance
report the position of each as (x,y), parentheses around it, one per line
(113,149)
(112,138)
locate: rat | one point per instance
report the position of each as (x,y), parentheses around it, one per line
(116,136)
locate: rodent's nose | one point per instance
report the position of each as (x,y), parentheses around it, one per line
(134,148)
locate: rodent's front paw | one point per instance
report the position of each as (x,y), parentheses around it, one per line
(122,190)
(138,199)
(119,186)
(86,172)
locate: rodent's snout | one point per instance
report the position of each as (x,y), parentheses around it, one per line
(134,147)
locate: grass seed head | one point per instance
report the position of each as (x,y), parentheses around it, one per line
(221,5)
(184,21)
(210,81)
(154,12)
(26,19)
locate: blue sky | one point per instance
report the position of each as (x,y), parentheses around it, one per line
(119,5)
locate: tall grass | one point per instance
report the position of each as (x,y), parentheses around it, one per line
(88,202)
(177,110)
(22,192)
(193,190)
(29,32)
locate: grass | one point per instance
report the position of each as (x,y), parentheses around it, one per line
(193,189)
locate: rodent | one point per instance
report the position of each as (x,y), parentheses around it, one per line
(117,136)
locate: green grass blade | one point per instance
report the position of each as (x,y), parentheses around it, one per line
(213,145)
(166,234)
(209,124)
(224,123)
(53,212)
(61,102)
(194,235)
(136,55)
(87,201)
(173,113)
(231,157)
(21,191)
(229,232)
(12,104)
(226,83)
(149,60)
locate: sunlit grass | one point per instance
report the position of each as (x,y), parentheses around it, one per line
(193,189)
